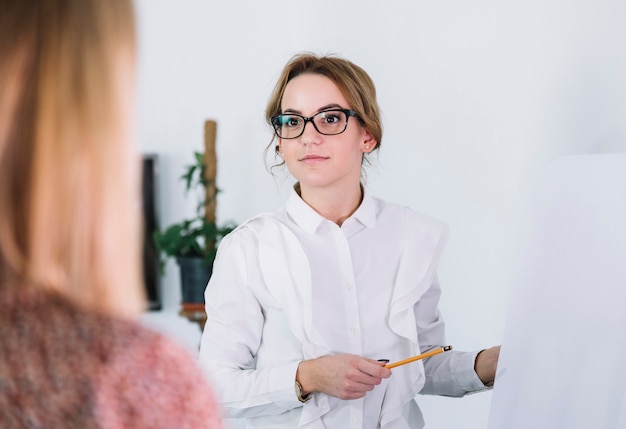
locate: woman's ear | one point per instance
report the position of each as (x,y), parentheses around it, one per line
(369,143)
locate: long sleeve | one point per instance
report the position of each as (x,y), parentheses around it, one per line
(450,373)
(247,349)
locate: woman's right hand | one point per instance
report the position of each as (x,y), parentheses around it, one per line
(344,376)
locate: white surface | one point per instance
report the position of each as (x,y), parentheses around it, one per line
(562,363)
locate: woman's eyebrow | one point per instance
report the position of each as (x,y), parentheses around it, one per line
(321,109)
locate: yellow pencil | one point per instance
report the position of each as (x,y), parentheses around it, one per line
(418,357)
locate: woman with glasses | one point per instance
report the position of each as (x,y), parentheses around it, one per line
(307,304)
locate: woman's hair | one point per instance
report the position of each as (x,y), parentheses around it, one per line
(353,82)
(69,206)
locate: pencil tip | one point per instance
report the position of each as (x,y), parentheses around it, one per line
(447,348)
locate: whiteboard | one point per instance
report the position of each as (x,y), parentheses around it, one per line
(563,357)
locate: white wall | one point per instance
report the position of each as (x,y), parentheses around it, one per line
(476,97)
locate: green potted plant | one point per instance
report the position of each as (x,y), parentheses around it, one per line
(193,242)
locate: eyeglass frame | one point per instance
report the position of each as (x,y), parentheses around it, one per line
(348,112)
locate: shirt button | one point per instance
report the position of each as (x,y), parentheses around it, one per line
(355,420)
(355,331)
(348,286)
(341,243)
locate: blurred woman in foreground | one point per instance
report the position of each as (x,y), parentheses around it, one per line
(70,354)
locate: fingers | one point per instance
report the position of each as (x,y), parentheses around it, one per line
(367,374)
(347,376)
(375,368)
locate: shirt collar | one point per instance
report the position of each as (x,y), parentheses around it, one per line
(309,220)
(366,213)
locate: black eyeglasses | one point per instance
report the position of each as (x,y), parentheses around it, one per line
(327,122)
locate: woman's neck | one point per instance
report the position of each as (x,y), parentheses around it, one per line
(334,205)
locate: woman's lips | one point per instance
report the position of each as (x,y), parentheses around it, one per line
(313,158)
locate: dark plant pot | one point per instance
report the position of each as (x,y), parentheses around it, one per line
(194,276)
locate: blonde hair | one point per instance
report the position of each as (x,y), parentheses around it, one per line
(69,211)
(353,82)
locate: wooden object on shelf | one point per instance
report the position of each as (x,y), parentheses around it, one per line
(194,312)
(210,172)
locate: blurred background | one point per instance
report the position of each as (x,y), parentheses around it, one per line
(476,98)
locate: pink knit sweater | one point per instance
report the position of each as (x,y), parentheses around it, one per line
(62,366)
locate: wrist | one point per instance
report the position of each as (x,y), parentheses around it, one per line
(302,394)
(477,368)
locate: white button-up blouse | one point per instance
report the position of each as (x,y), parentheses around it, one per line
(290,285)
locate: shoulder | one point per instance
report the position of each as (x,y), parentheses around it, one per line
(143,364)
(406,217)
(108,366)
(255,226)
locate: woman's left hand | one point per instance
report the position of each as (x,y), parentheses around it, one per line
(486,364)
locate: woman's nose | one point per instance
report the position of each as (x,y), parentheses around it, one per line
(310,135)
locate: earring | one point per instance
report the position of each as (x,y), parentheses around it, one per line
(367,146)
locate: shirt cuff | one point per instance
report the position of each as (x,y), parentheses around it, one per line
(282,386)
(466,376)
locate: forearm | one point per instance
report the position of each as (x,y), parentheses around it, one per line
(451,374)
(246,350)
(252,377)
(254,392)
